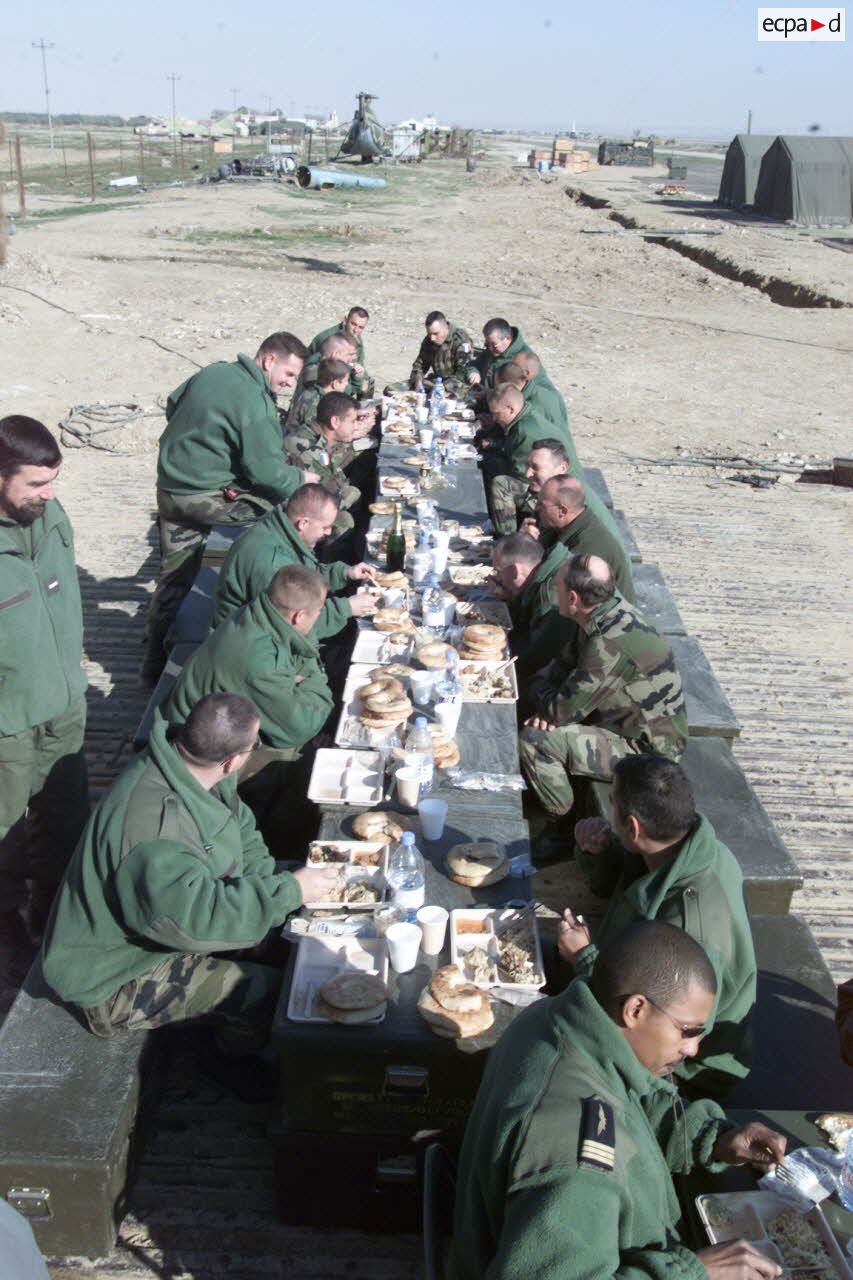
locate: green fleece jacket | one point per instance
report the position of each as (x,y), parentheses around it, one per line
(539,632)
(164,867)
(223,429)
(41,621)
(588,535)
(258,653)
(544,397)
(566,1168)
(528,428)
(252,560)
(700,890)
(359,388)
(489,364)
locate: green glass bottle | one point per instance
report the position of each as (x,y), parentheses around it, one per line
(395,555)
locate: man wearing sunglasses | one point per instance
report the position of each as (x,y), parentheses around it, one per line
(661,860)
(566,1170)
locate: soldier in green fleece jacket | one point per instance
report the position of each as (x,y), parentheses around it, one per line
(288,535)
(332,375)
(170,873)
(42,683)
(525,575)
(566,1170)
(539,395)
(220,462)
(503,343)
(505,445)
(353,326)
(662,861)
(565,517)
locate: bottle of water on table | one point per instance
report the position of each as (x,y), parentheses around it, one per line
(437,398)
(405,875)
(418,754)
(432,606)
(846,1187)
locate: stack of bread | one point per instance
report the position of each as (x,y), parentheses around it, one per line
(477,864)
(383,703)
(453,1007)
(378,824)
(352,997)
(444,750)
(393,620)
(433,655)
(483,643)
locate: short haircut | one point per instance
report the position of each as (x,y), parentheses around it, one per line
(655,791)
(506,392)
(282,344)
(219,725)
(329,370)
(337,342)
(529,361)
(519,548)
(591,589)
(511,373)
(497,328)
(568,490)
(295,586)
(361,312)
(554,446)
(310,500)
(334,404)
(653,959)
(26,442)
(434,317)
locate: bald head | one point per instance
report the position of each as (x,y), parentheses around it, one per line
(511,373)
(506,403)
(529,364)
(560,502)
(339,346)
(590,579)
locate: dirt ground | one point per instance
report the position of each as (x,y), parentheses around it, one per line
(663,361)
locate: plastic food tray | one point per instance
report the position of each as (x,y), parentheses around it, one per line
(350,731)
(746,1215)
(363,784)
(408,489)
(320,958)
(354,871)
(469,575)
(481,927)
(374,648)
(506,667)
(494,612)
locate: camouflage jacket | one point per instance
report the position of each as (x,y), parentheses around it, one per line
(361,389)
(622,677)
(306,448)
(452,361)
(306,435)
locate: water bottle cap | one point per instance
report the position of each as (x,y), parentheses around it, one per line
(408,837)
(420,723)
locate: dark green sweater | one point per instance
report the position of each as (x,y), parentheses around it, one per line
(700,890)
(588,535)
(539,632)
(164,867)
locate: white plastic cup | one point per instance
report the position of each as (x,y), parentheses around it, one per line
(447,715)
(394,597)
(441,546)
(421,684)
(404,941)
(408,786)
(433,814)
(433,922)
(425,435)
(386,915)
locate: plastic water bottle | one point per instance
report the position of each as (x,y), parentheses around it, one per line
(448,688)
(437,401)
(418,754)
(845,1190)
(421,560)
(432,606)
(405,874)
(451,445)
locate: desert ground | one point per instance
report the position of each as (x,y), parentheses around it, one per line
(671,367)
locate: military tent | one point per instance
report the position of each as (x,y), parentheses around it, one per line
(808,181)
(741,167)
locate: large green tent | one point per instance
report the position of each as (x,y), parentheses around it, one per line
(808,181)
(741,168)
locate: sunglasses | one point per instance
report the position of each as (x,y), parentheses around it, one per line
(686,1033)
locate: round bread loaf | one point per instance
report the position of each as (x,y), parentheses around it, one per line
(377,824)
(353,989)
(455,1026)
(477,864)
(433,655)
(397,670)
(483,635)
(391,619)
(450,988)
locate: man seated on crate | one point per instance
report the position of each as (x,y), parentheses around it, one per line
(615,691)
(170,884)
(267,652)
(289,534)
(567,1165)
(352,326)
(324,448)
(566,517)
(220,462)
(524,578)
(658,859)
(447,353)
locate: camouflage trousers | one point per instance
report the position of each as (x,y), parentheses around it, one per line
(511,503)
(185,521)
(237,996)
(550,758)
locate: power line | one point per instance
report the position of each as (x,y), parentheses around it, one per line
(44,46)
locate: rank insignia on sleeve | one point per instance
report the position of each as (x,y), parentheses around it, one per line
(596,1148)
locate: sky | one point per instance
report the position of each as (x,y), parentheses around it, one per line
(671,67)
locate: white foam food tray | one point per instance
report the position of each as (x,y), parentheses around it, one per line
(347,853)
(749,1215)
(407,488)
(373,648)
(353,873)
(347,777)
(478,681)
(350,731)
(320,958)
(487,928)
(469,575)
(494,612)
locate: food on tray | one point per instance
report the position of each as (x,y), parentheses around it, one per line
(480,965)
(380,825)
(800,1245)
(492,611)
(837,1126)
(330,852)
(383,703)
(361,893)
(477,864)
(396,579)
(398,484)
(395,620)
(454,1007)
(486,682)
(471,924)
(484,642)
(516,952)
(353,997)
(398,670)
(382,507)
(470,575)
(434,654)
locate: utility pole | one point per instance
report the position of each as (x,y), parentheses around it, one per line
(44,46)
(234,93)
(173,77)
(749,121)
